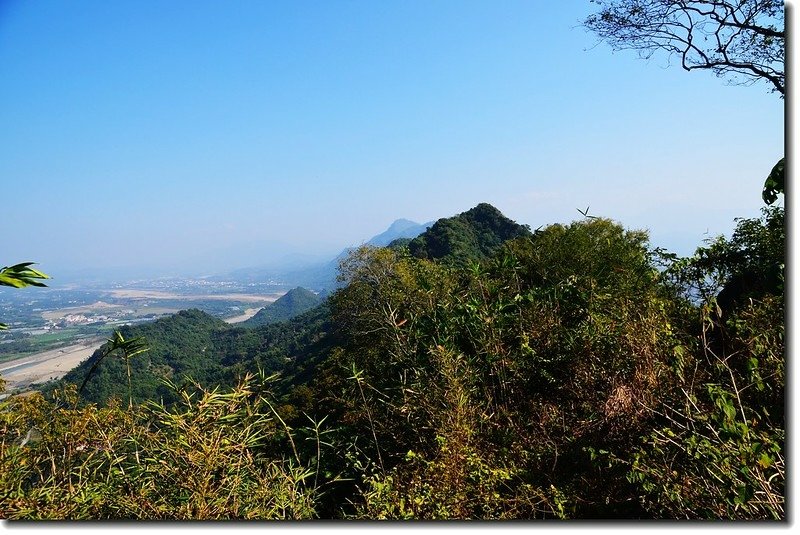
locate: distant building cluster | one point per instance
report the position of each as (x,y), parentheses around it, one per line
(78,319)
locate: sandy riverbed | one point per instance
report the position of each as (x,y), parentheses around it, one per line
(51,364)
(248,313)
(55,363)
(158,294)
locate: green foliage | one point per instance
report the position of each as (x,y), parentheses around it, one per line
(209,457)
(775,183)
(573,373)
(127,350)
(178,349)
(557,343)
(748,265)
(20,276)
(459,475)
(467,237)
(718,448)
(196,347)
(552,380)
(293,348)
(720,454)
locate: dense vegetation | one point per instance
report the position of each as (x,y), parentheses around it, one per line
(573,372)
(291,304)
(467,237)
(194,347)
(177,348)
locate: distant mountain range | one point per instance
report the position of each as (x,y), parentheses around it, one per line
(322,276)
(402,228)
(463,238)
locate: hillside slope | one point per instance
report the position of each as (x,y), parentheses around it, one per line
(291,304)
(178,348)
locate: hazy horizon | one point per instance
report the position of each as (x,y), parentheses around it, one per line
(198,137)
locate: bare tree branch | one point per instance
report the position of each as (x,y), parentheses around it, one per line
(742,40)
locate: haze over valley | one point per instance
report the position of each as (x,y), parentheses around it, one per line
(63,324)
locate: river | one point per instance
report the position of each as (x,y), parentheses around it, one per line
(50,364)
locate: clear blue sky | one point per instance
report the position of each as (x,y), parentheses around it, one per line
(207,135)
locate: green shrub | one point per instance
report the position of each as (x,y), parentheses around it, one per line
(209,457)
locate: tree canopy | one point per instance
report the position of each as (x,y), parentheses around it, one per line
(470,236)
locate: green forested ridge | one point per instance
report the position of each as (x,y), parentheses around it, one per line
(192,346)
(471,236)
(575,372)
(291,304)
(179,346)
(289,347)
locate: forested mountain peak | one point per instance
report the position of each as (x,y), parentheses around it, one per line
(298,294)
(469,236)
(483,210)
(291,304)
